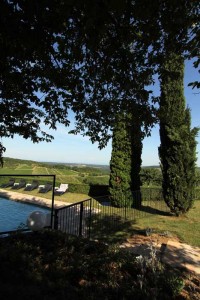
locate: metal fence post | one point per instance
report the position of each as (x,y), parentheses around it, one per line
(90,218)
(81,219)
(52,200)
(55,223)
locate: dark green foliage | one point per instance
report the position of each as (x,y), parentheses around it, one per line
(91,190)
(136,135)
(178,146)
(2,149)
(151,176)
(52,265)
(173,284)
(96,180)
(151,194)
(120,164)
(126,159)
(79,188)
(110,40)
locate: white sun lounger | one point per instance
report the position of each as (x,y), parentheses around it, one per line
(62,189)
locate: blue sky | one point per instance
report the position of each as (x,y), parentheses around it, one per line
(77,149)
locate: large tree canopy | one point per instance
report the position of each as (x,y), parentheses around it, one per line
(29,74)
(92,57)
(56,55)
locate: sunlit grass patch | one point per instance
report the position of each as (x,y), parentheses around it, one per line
(186,227)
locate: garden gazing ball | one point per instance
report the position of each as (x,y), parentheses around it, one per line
(36,221)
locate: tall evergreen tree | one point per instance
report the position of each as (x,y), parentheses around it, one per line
(2,149)
(178,147)
(136,136)
(126,158)
(120,164)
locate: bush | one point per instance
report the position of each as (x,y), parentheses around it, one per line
(173,284)
(91,190)
(98,190)
(121,199)
(79,188)
(151,193)
(53,265)
(97,180)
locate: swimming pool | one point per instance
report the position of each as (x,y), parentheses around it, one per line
(13,214)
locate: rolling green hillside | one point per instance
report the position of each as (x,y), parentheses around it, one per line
(64,173)
(76,173)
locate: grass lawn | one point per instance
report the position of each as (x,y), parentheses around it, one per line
(186,227)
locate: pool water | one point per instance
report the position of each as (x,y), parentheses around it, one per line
(13,215)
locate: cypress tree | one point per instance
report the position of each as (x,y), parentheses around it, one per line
(178,146)
(126,159)
(136,136)
(120,164)
(2,149)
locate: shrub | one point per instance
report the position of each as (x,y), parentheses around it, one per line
(91,190)
(96,180)
(79,188)
(53,265)
(121,199)
(173,284)
(151,193)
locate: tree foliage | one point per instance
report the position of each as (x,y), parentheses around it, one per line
(120,164)
(126,161)
(82,55)
(95,58)
(151,176)
(71,54)
(178,146)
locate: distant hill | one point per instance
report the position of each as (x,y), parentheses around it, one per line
(13,161)
(71,173)
(65,172)
(79,165)
(8,162)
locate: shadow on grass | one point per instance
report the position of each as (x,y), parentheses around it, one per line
(151,207)
(112,229)
(154,210)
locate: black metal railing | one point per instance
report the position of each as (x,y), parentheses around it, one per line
(109,219)
(74,219)
(90,217)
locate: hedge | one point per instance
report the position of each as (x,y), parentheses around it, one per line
(151,193)
(79,188)
(148,193)
(91,190)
